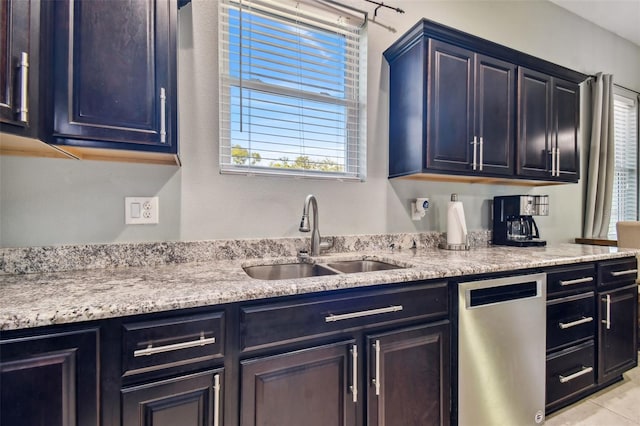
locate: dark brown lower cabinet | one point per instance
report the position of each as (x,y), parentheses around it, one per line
(192,400)
(408,376)
(310,387)
(617,349)
(570,372)
(50,380)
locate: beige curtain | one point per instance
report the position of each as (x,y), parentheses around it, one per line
(601,165)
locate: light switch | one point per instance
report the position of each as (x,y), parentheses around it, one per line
(135,210)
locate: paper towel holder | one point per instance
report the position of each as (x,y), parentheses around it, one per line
(459,247)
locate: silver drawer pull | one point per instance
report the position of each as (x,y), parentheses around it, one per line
(23,109)
(350,315)
(576,281)
(163,115)
(627,272)
(354,372)
(583,320)
(481,152)
(376,380)
(151,350)
(475,151)
(607,320)
(585,370)
(216,400)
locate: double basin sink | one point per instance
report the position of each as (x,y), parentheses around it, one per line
(304,270)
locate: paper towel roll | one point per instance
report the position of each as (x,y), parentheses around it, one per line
(456,224)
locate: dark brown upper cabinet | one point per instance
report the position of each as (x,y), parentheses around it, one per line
(548,114)
(19,66)
(113,76)
(465,109)
(565,121)
(471,119)
(20,80)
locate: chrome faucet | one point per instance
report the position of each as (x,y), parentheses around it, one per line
(316,244)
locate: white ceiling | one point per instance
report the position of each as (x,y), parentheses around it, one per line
(621,17)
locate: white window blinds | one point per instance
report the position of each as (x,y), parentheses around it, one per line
(624,204)
(292,90)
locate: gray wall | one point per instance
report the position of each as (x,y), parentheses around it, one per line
(51,202)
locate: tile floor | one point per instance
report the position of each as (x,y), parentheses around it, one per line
(617,405)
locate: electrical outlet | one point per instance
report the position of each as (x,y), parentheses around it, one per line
(141,210)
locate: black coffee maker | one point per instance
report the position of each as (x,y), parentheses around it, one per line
(513,223)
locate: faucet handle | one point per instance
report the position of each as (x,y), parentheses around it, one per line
(303,254)
(327,243)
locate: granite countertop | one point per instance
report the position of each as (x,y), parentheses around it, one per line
(40,299)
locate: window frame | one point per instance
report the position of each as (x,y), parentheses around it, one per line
(634,97)
(354,145)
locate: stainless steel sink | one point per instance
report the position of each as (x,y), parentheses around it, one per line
(286,271)
(351,266)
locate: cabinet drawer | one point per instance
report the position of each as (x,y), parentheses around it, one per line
(571,279)
(264,325)
(570,319)
(570,371)
(153,345)
(617,272)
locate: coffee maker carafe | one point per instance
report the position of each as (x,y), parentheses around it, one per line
(513,222)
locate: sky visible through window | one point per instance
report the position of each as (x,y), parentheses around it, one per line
(292,104)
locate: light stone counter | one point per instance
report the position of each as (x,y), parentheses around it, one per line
(46,298)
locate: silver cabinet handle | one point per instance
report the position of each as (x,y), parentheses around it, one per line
(23,108)
(163,113)
(475,151)
(151,350)
(481,152)
(585,370)
(583,320)
(216,400)
(376,379)
(557,161)
(576,281)
(351,315)
(607,321)
(354,372)
(553,162)
(627,272)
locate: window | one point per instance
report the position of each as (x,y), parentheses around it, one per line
(292,90)
(624,205)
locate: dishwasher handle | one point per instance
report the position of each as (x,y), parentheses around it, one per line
(501,294)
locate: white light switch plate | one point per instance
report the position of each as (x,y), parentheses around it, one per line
(141,210)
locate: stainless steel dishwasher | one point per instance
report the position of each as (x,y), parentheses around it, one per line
(501,351)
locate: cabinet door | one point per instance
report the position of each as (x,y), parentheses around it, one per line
(495,114)
(617,347)
(50,380)
(311,387)
(534,124)
(192,400)
(18,66)
(408,376)
(451,107)
(114,74)
(566,115)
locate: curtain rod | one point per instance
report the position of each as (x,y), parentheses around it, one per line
(345,6)
(338,5)
(381,4)
(593,77)
(626,88)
